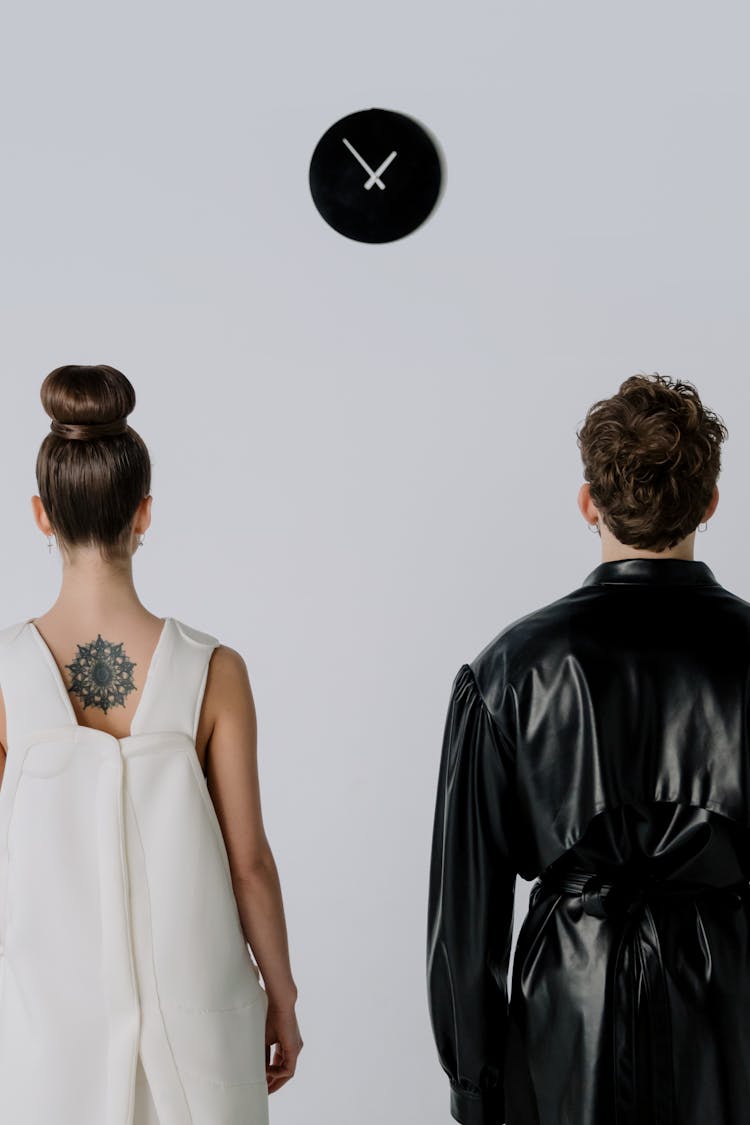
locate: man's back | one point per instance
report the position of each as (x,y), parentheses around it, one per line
(598,743)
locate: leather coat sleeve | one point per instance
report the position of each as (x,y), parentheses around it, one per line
(470,907)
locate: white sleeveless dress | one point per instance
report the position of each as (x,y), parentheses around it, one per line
(128,994)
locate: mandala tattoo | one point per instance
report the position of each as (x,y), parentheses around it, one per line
(102,675)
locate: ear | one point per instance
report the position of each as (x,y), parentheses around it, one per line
(586,504)
(40,516)
(143,515)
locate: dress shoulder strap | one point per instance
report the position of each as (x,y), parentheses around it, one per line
(178,684)
(27,707)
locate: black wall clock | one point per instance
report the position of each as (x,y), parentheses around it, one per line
(375,175)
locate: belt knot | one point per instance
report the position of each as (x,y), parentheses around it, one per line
(628,896)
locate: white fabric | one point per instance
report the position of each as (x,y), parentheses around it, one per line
(145,1110)
(120,934)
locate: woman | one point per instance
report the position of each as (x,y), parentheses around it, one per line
(599,746)
(134,866)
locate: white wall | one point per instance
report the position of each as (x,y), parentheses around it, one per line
(364,456)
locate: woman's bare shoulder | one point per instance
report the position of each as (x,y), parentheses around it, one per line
(228,691)
(228,667)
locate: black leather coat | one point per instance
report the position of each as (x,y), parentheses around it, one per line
(599,746)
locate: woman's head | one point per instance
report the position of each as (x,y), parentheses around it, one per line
(651,456)
(91,482)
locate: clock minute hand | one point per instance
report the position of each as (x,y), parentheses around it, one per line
(356,155)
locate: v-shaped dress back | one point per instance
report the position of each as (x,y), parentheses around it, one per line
(121,946)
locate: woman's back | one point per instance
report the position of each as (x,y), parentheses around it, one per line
(105,679)
(120,929)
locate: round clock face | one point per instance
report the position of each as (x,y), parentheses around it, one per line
(375,175)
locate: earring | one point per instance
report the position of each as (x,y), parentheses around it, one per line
(704,528)
(594,526)
(140,541)
(49,544)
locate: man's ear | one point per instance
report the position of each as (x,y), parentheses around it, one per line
(584,501)
(713,504)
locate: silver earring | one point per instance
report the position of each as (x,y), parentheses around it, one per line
(49,543)
(140,541)
(705,526)
(594,527)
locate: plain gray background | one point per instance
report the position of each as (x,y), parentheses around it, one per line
(364,456)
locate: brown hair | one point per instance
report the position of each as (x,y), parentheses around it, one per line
(651,455)
(91,483)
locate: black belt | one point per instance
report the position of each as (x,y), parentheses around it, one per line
(627,900)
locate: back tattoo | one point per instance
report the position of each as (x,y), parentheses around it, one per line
(102,675)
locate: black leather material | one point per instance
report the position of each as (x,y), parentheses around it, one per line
(599,746)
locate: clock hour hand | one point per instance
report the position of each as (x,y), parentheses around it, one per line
(374,176)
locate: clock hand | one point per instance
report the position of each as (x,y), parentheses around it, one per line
(354,153)
(374,177)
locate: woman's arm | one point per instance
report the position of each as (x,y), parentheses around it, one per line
(232,777)
(3,738)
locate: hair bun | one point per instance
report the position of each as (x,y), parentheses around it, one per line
(91,490)
(87,402)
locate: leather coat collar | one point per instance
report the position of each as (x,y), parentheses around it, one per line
(685,572)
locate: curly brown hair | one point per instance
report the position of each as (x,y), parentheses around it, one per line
(651,455)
